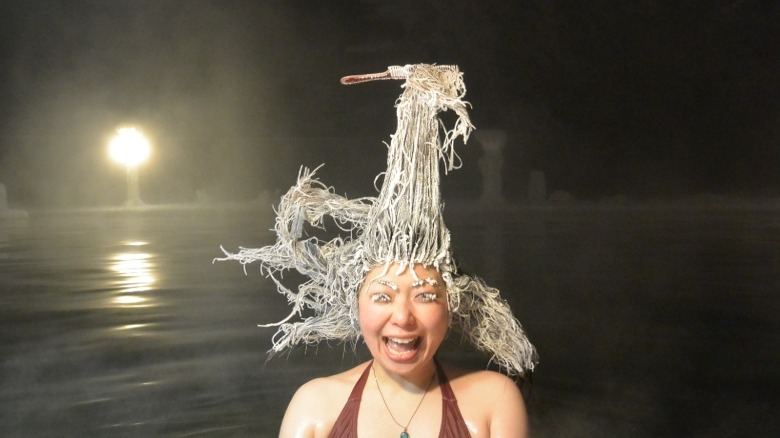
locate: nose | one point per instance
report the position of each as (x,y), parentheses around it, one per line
(402,313)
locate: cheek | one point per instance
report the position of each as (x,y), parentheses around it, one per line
(444,322)
(369,317)
(437,320)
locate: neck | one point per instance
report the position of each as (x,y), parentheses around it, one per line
(417,382)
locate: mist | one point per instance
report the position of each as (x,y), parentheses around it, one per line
(194,78)
(637,99)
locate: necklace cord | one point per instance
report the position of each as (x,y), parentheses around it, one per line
(388,407)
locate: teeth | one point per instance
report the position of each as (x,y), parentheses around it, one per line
(402,341)
(402,348)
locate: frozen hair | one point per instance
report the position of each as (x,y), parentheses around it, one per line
(403,225)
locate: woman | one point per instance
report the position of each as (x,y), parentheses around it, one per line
(393,283)
(403,325)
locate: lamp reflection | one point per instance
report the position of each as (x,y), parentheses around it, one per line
(132,326)
(135,272)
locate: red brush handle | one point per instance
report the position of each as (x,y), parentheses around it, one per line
(393,72)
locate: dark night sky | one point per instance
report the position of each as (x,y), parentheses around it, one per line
(639,98)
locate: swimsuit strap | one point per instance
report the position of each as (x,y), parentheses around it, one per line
(444,383)
(346,424)
(452,423)
(357,391)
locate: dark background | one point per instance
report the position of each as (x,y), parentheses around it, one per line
(652,320)
(637,99)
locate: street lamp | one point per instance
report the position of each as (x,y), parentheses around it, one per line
(130,148)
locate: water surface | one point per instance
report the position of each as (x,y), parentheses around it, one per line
(649,321)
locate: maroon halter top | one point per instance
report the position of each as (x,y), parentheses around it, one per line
(452,424)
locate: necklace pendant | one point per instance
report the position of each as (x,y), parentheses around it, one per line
(404,434)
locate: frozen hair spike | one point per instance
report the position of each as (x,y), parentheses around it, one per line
(403,225)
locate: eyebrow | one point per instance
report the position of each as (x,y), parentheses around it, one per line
(389,284)
(430,280)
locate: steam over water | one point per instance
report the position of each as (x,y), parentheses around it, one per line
(649,322)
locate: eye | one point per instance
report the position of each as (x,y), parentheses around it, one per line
(380,297)
(428,297)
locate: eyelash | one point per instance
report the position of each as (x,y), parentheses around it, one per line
(380,298)
(428,296)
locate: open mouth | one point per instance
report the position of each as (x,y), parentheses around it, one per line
(402,348)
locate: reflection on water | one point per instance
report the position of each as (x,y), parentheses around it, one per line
(134,270)
(648,322)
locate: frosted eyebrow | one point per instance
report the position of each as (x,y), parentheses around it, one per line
(430,280)
(389,284)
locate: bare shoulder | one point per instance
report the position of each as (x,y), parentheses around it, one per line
(489,401)
(317,403)
(472,382)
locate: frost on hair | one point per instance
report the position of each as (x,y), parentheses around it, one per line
(403,224)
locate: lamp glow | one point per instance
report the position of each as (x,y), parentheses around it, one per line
(130,148)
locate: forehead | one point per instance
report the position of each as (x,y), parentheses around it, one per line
(397,273)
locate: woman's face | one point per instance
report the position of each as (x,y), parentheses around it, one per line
(403,321)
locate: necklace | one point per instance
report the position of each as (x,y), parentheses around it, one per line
(404,433)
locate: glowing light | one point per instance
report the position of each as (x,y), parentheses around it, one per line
(129,147)
(134,278)
(136,243)
(129,300)
(132,326)
(135,270)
